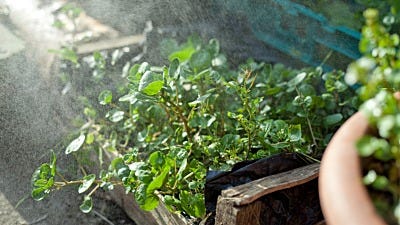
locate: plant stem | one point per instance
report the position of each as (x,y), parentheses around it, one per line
(79,164)
(308,119)
(182,117)
(98,182)
(62,177)
(94,189)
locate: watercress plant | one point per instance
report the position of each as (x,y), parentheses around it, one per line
(176,122)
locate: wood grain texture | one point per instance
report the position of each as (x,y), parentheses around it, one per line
(240,205)
(229,214)
(249,192)
(110,44)
(159,216)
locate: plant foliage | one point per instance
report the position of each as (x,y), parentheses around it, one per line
(378,73)
(174,123)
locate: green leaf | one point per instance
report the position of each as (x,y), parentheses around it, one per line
(199,100)
(137,165)
(385,125)
(200,60)
(273,90)
(144,176)
(219,60)
(40,183)
(75,145)
(156,159)
(333,119)
(66,54)
(43,172)
(89,138)
(90,112)
(171,202)
(144,67)
(87,182)
(173,69)
(183,54)
(380,183)
(370,177)
(117,116)
(133,75)
(297,79)
(117,163)
(151,202)
(193,204)
(368,145)
(364,146)
(40,193)
(140,194)
(147,201)
(99,60)
(159,180)
(213,47)
(86,205)
(295,133)
(151,83)
(105,97)
(131,98)
(181,169)
(42,187)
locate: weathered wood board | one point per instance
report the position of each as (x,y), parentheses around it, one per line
(119,42)
(239,205)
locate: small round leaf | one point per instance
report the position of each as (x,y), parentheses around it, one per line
(105,97)
(86,205)
(75,145)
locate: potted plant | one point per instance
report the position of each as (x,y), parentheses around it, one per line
(360,171)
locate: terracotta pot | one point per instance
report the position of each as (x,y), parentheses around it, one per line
(344,198)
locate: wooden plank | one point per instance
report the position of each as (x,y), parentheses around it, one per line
(237,215)
(159,216)
(110,44)
(240,206)
(249,192)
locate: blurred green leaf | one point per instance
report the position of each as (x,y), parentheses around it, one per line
(151,83)
(158,181)
(295,132)
(156,159)
(75,145)
(333,119)
(200,60)
(40,193)
(116,116)
(297,80)
(86,205)
(105,97)
(87,182)
(184,54)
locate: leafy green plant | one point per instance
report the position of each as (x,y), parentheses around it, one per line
(174,123)
(378,73)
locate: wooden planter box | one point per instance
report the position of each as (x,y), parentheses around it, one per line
(240,205)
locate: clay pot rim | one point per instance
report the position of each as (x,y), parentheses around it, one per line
(344,199)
